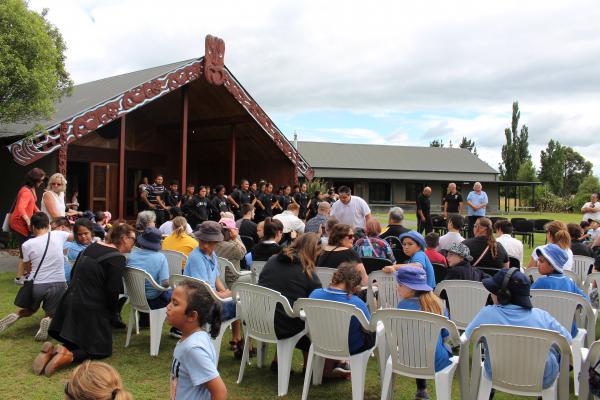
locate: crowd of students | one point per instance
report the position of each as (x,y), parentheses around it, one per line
(82,303)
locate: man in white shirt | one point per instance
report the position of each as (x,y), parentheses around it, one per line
(289,219)
(455,225)
(513,247)
(351,210)
(44,255)
(591,209)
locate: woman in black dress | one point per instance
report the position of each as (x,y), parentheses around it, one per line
(83,318)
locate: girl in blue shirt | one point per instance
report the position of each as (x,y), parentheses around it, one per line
(194,372)
(348,278)
(413,245)
(418,295)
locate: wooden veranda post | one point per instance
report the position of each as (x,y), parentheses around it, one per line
(121,204)
(233,155)
(184,137)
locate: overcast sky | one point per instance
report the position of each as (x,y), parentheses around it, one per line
(381,72)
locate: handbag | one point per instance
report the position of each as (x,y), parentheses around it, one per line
(6,223)
(24,298)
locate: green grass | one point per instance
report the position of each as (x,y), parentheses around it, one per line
(148,377)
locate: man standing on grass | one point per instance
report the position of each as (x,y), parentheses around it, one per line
(424,211)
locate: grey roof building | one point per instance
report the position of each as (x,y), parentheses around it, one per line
(385,174)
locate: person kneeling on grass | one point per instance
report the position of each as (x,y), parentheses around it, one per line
(418,295)
(514,308)
(551,259)
(414,247)
(347,280)
(194,372)
(43,256)
(203,264)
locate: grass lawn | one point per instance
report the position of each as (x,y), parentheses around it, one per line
(147,377)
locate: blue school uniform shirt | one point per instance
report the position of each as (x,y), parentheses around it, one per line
(476,199)
(203,267)
(421,258)
(557,281)
(155,264)
(356,337)
(194,364)
(73,250)
(442,353)
(514,315)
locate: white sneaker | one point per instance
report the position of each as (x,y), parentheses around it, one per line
(20,281)
(8,321)
(42,333)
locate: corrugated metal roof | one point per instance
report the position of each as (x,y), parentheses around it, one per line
(89,94)
(391,158)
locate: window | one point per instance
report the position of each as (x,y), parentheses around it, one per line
(412,190)
(380,192)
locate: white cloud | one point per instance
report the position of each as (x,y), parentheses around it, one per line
(444,58)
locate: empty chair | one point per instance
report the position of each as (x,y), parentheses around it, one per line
(539,224)
(256,308)
(176,261)
(256,269)
(325,274)
(135,279)
(440,226)
(581,267)
(225,264)
(386,287)
(374,264)
(590,358)
(587,285)
(175,280)
(517,357)
(440,271)
(248,242)
(411,339)
(329,324)
(496,219)
(523,228)
(513,263)
(465,299)
(564,307)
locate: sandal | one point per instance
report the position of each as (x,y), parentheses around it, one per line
(239,351)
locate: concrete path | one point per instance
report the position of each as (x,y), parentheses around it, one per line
(8,263)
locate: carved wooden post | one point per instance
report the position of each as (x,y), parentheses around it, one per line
(62,151)
(184,136)
(233,155)
(121,188)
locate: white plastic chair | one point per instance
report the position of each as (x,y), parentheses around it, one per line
(325,274)
(256,269)
(581,266)
(225,264)
(328,324)
(411,339)
(176,261)
(533,273)
(386,288)
(134,279)
(256,308)
(465,298)
(587,285)
(517,357)
(176,279)
(590,358)
(564,307)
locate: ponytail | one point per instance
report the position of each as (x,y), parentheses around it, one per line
(201,302)
(96,380)
(559,234)
(179,226)
(215,320)
(430,302)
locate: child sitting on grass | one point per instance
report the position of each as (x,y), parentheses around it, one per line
(194,372)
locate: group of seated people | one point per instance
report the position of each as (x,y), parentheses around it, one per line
(291,270)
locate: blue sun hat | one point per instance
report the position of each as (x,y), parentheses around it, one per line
(416,236)
(414,278)
(556,256)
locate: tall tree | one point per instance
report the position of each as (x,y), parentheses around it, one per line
(552,166)
(469,145)
(32,63)
(516,150)
(576,168)
(436,143)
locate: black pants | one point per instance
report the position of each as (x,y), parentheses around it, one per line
(426,225)
(79,355)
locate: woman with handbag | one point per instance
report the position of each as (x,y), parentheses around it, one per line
(83,319)
(23,209)
(43,254)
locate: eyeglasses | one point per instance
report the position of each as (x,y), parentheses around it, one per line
(350,236)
